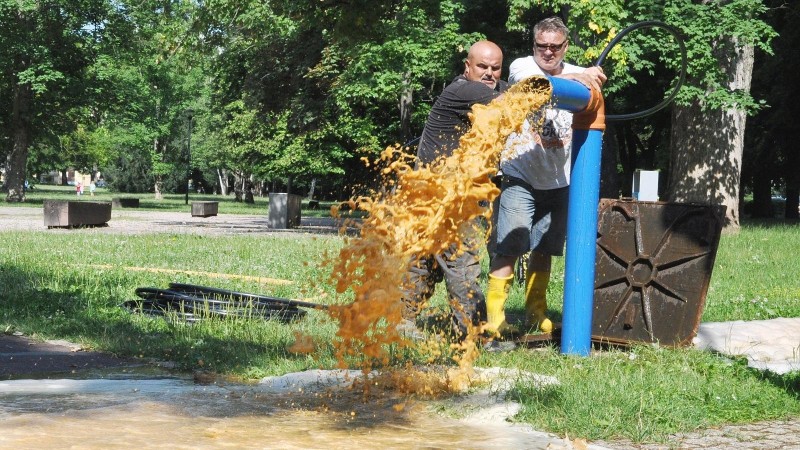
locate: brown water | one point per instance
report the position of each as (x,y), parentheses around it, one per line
(174,413)
(420,212)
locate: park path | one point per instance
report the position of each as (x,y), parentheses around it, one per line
(133,221)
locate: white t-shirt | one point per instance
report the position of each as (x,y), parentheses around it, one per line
(540,157)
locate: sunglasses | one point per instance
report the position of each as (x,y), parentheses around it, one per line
(552,47)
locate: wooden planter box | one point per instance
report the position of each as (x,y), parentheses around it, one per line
(204,209)
(125,202)
(65,213)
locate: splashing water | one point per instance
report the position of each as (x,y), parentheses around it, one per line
(422,212)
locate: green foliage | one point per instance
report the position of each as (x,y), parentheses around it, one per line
(130,172)
(708,29)
(305,89)
(45,47)
(314,90)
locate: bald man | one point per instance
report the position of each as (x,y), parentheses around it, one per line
(447,122)
(448,119)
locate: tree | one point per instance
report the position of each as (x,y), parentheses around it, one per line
(332,82)
(46,46)
(709,122)
(770,160)
(146,78)
(709,114)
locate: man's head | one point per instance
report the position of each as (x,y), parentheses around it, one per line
(550,42)
(484,63)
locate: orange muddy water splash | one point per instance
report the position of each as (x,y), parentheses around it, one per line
(421,212)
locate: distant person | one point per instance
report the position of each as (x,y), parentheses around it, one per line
(92,187)
(532,212)
(447,122)
(78,188)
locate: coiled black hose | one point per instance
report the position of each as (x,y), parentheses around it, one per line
(194,303)
(682,77)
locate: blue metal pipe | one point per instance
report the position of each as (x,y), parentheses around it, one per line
(584,194)
(569,94)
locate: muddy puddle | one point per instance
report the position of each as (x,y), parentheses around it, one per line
(175,413)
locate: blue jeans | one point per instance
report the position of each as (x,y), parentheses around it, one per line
(531,219)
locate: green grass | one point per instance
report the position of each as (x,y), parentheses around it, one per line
(50,288)
(646,393)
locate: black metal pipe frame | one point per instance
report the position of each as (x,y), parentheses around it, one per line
(193,303)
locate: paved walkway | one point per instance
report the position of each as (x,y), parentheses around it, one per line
(22,357)
(135,221)
(771,435)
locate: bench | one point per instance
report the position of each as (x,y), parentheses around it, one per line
(125,202)
(204,209)
(70,214)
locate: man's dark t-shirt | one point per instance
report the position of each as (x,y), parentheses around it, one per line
(449,120)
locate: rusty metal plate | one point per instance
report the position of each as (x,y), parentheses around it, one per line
(653,267)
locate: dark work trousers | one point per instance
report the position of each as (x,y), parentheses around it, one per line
(460,272)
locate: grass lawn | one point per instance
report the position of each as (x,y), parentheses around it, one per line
(52,287)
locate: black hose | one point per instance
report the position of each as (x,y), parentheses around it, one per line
(413,142)
(647,24)
(194,303)
(243,296)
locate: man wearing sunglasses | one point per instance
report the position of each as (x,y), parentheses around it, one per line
(531,213)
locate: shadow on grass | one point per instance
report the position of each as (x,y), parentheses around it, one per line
(75,312)
(790,382)
(770,223)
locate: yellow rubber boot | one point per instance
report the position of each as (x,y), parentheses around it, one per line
(536,301)
(496,296)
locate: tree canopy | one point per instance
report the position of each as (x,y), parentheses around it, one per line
(300,91)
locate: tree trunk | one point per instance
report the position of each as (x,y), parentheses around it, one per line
(406,105)
(17,158)
(158,181)
(762,196)
(248,190)
(238,186)
(312,188)
(222,176)
(706,145)
(792,208)
(157,187)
